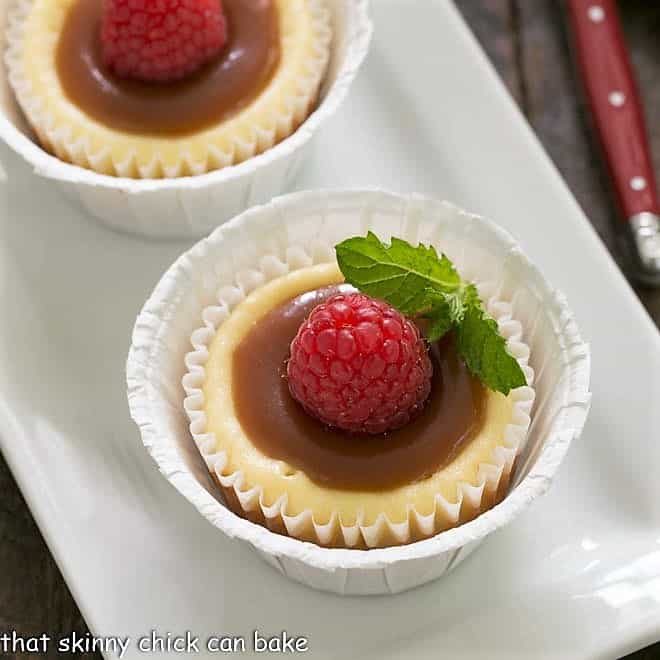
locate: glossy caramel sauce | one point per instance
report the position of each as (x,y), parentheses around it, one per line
(278,426)
(216,92)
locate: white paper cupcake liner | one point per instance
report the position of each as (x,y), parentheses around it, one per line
(313,221)
(242,495)
(84,142)
(188,205)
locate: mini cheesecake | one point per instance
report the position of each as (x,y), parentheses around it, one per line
(285,469)
(253,94)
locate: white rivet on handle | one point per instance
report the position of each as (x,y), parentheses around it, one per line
(596,13)
(638,183)
(617,99)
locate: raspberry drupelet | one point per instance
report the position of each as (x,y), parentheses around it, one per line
(161,40)
(359,365)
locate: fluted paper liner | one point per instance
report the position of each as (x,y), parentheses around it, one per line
(297,230)
(81,140)
(271,508)
(192,196)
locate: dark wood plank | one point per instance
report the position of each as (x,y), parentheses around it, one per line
(34,598)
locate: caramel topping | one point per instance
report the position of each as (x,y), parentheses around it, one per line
(217,92)
(278,426)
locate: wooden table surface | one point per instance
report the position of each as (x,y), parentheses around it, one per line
(527,42)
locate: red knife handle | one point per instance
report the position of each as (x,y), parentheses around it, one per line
(615,104)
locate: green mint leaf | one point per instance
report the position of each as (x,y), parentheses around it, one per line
(484,350)
(455,302)
(398,273)
(445,311)
(418,282)
(440,322)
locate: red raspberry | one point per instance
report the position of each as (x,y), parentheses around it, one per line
(359,365)
(161,40)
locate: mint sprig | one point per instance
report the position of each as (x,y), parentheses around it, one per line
(418,282)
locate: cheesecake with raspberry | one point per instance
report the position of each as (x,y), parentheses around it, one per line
(340,424)
(166,88)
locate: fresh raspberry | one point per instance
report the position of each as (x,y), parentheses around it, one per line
(161,40)
(359,365)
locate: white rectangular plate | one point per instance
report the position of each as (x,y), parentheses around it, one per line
(577,576)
